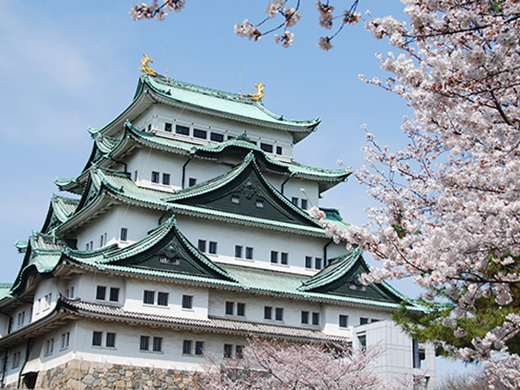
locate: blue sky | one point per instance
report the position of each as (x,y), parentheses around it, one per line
(67,65)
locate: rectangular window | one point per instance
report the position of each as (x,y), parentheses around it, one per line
(315,318)
(202,245)
(200,133)
(168,127)
(212,247)
(182,130)
(294,201)
(285,258)
(363,321)
(249,253)
(111,340)
(187,301)
(362,341)
(308,262)
(97,338)
(144,343)
(186,347)
(228,350)
(235,199)
(241,309)
(274,257)
(317,263)
(157,344)
(304,204)
(199,348)
(279,314)
(162,298)
(114,294)
(155,177)
(238,251)
(149,127)
(343,321)
(166,179)
(268,312)
(239,351)
(230,307)
(123,236)
(136,175)
(65,339)
(192,181)
(21,318)
(16,359)
(278,150)
(149,297)
(260,203)
(305,317)
(217,137)
(49,347)
(101,292)
(266,147)
(101,242)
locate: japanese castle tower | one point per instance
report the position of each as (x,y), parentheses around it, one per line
(185,233)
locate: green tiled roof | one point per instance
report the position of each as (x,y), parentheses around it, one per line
(225,103)
(246,182)
(123,188)
(5,289)
(108,148)
(333,215)
(142,257)
(278,282)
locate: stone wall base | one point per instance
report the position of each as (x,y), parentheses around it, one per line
(84,375)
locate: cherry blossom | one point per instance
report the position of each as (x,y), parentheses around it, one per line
(270,364)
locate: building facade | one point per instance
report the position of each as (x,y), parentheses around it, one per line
(185,233)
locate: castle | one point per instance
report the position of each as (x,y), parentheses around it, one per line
(186,232)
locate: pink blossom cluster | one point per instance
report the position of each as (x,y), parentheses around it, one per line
(155,10)
(450,204)
(271,364)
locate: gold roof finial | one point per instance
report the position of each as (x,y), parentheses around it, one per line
(259,92)
(144,66)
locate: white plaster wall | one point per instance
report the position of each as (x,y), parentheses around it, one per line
(45,287)
(159,114)
(127,350)
(38,359)
(255,308)
(134,298)
(333,311)
(396,359)
(86,287)
(227,235)
(138,221)
(147,160)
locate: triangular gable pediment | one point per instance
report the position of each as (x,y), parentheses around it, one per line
(341,277)
(165,249)
(245,191)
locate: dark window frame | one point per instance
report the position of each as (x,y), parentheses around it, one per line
(202,134)
(183,130)
(97,338)
(166,179)
(101,293)
(148,297)
(110,340)
(187,301)
(156,176)
(163,298)
(114,294)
